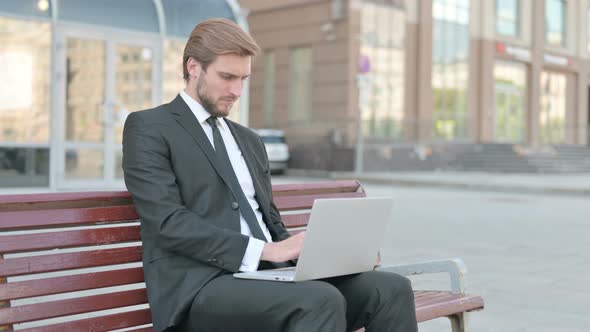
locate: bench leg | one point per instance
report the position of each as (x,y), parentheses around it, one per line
(457,322)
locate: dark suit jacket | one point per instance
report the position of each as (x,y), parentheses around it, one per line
(190,232)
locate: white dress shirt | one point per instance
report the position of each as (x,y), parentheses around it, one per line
(253,253)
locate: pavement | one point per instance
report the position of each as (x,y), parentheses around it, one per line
(546,184)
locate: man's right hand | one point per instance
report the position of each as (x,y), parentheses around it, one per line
(283,251)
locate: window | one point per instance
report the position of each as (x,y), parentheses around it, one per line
(24,102)
(450,65)
(24,87)
(508,17)
(172,67)
(135,93)
(555,22)
(85,85)
(269,87)
(553,105)
(300,85)
(382,67)
(588,29)
(24,167)
(510,101)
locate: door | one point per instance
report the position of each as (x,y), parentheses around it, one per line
(509,117)
(553,117)
(102,77)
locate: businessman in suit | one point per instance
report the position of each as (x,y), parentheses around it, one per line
(201,186)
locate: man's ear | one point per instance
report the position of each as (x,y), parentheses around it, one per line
(194,68)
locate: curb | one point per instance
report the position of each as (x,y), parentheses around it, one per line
(519,189)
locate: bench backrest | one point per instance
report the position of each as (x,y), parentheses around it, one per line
(68,254)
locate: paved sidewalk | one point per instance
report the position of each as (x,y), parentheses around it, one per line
(561,184)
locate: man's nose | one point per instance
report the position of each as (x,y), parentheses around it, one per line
(236,88)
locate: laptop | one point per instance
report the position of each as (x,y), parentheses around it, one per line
(343,237)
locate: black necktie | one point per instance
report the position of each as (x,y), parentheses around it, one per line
(228,171)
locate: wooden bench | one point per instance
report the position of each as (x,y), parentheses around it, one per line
(68,259)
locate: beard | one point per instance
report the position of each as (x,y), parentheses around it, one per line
(208,103)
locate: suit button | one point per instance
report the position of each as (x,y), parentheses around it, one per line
(235,205)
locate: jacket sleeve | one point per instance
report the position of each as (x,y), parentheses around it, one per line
(165,222)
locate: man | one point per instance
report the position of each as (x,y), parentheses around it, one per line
(201,185)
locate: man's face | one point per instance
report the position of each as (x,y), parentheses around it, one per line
(221,84)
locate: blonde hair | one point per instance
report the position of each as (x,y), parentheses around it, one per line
(214,37)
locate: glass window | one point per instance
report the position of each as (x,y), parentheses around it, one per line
(382,70)
(84,164)
(129,14)
(173,81)
(269,87)
(29,8)
(510,101)
(450,65)
(273,139)
(24,87)
(182,15)
(24,167)
(555,22)
(133,94)
(508,17)
(553,106)
(300,84)
(85,90)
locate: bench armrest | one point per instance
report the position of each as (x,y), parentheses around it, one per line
(454,267)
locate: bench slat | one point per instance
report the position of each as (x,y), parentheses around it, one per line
(113,198)
(30,199)
(295,220)
(443,308)
(430,295)
(442,297)
(22,220)
(38,311)
(74,260)
(68,239)
(30,202)
(289,203)
(312,188)
(102,323)
(71,283)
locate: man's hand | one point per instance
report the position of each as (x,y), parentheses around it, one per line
(283,251)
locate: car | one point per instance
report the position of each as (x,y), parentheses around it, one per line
(276,149)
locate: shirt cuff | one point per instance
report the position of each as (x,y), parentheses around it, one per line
(252,255)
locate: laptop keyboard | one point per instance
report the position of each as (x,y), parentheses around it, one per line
(280,273)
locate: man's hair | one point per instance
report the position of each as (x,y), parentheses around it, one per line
(214,37)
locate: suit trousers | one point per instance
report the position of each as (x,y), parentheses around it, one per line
(378,301)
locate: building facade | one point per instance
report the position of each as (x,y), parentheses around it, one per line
(70,73)
(356,84)
(351,81)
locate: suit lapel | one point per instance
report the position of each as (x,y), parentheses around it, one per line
(189,122)
(248,157)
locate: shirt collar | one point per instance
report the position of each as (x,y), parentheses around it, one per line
(198,110)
